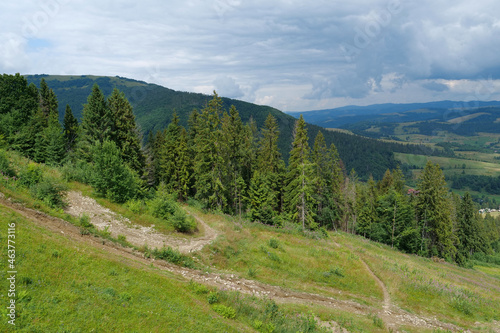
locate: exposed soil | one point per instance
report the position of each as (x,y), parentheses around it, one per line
(103,218)
(392,316)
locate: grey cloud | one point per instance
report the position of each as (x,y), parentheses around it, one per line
(227,86)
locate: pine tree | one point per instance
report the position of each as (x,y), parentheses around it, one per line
(300,179)
(237,154)
(97,119)
(208,162)
(48,101)
(434,213)
(337,201)
(270,164)
(323,180)
(71,128)
(469,232)
(55,144)
(124,130)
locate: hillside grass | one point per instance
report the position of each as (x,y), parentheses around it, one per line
(464,297)
(286,258)
(65,286)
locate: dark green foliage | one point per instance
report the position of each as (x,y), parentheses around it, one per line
(434,213)
(300,179)
(5,166)
(209,162)
(97,118)
(173,256)
(471,236)
(112,178)
(50,191)
(71,128)
(124,130)
(30,175)
(164,206)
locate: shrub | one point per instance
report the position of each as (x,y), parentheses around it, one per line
(225,311)
(135,206)
(51,192)
(212,298)
(182,222)
(30,175)
(162,206)
(111,177)
(274,243)
(80,171)
(5,167)
(85,221)
(173,256)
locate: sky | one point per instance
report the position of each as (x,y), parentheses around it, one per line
(295,55)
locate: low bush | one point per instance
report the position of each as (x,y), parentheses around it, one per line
(51,192)
(5,167)
(225,311)
(30,175)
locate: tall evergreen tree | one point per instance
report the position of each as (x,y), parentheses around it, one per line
(236,145)
(434,213)
(70,125)
(124,130)
(97,119)
(337,201)
(208,162)
(322,180)
(469,232)
(300,179)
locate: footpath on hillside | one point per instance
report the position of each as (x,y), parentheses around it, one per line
(101,217)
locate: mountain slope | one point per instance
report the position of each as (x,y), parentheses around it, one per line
(154,106)
(392,113)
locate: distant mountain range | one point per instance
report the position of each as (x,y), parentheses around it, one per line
(392,113)
(154,105)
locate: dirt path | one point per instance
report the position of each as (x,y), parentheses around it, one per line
(104,219)
(395,318)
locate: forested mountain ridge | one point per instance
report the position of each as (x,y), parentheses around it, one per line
(442,111)
(154,105)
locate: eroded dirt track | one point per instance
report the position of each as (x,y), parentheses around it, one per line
(393,317)
(103,218)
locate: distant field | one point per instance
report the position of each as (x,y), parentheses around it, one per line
(451,166)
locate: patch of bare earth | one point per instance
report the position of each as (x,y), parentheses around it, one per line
(392,316)
(104,219)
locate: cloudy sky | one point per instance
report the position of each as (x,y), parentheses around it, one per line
(295,55)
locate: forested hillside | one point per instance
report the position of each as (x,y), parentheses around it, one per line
(154,106)
(227,165)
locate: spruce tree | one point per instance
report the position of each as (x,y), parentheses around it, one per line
(337,201)
(236,152)
(55,144)
(469,232)
(97,119)
(123,130)
(300,179)
(434,213)
(322,180)
(70,125)
(208,161)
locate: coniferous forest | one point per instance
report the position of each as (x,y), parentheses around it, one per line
(234,167)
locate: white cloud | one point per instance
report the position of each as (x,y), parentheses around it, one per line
(292,54)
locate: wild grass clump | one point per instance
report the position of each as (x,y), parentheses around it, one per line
(171,255)
(274,243)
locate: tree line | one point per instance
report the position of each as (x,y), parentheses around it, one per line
(237,168)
